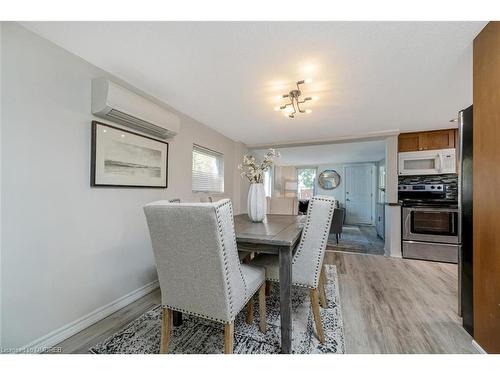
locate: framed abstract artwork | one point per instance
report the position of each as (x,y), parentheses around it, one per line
(121,158)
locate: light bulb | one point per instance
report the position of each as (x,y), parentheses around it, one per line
(308,80)
(315,98)
(308,111)
(276,108)
(285,114)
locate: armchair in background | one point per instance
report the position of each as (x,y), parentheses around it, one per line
(337,222)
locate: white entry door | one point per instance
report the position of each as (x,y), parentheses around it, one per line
(359,194)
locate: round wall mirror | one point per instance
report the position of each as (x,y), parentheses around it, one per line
(329,179)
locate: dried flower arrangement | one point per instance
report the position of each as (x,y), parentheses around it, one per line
(255,172)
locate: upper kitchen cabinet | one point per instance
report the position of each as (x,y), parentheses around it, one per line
(410,142)
(430,140)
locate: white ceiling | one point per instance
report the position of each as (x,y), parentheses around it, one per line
(338,153)
(371,76)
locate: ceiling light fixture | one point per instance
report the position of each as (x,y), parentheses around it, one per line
(291,109)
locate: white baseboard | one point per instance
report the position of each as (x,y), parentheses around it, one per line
(478,347)
(53,338)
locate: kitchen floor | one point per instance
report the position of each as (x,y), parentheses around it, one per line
(389,305)
(394,305)
(357,239)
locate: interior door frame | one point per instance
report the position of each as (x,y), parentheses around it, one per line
(374,185)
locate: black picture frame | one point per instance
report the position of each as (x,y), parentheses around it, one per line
(93,158)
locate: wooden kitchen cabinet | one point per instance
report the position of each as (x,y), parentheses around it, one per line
(430,140)
(410,142)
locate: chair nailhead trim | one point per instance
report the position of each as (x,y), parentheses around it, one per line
(224,253)
(184,311)
(321,253)
(196,314)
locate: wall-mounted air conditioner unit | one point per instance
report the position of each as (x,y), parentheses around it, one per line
(115,103)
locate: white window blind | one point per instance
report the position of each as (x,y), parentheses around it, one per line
(208,170)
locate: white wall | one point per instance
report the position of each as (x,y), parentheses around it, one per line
(1,116)
(392,212)
(67,248)
(339,192)
(241,185)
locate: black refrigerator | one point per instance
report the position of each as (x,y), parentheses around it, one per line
(465,220)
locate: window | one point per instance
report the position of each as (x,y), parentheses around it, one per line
(305,178)
(208,170)
(381,183)
(267,183)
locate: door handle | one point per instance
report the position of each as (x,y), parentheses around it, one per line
(440,161)
(348,200)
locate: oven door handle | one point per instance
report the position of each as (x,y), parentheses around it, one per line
(407,223)
(433,209)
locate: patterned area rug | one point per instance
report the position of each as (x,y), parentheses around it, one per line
(200,336)
(356,239)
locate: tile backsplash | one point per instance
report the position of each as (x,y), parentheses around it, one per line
(451,180)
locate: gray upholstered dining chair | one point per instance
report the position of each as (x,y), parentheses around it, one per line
(307,263)
(337,222)
(198,267)
(282,206)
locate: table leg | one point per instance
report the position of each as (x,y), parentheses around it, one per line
(177,318)
(285,260)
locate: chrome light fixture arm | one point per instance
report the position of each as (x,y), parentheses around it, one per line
(294,101)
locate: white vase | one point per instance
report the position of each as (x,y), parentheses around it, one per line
(256,203)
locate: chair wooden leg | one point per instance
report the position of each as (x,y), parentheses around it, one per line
(228,338)
(166,329)
(317,315)
(249,318)
(262,308)
(269,288)
(321,287)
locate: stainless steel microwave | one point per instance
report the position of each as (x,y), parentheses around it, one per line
(427,162)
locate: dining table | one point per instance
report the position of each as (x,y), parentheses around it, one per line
(278,235)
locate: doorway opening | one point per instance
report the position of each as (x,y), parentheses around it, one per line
(358,186)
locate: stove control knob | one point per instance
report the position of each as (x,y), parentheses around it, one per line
(433,187)
(440,187)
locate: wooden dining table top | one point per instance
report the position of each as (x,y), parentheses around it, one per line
(275,230)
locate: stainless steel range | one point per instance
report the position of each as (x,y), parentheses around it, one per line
(429,223)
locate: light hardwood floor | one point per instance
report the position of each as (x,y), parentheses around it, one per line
(388,305)
(392,305)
